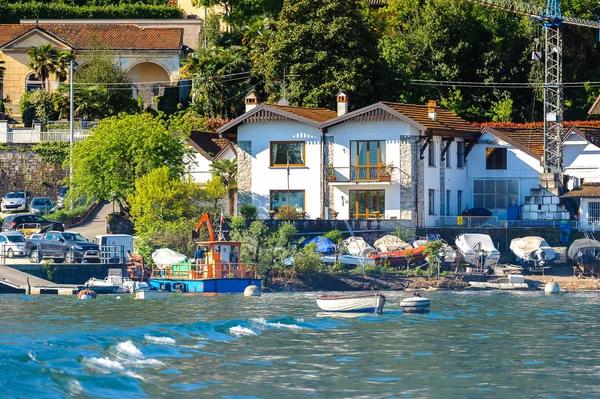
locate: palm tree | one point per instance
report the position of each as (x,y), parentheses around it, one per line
(45,60)
(226,169)
(42,62)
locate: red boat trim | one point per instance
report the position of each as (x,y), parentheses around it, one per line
(347,296)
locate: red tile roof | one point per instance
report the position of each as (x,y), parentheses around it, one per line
(315,114)
(586,190)
(113,36)
(444,121)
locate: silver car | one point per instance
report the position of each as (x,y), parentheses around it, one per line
(15,201)
(41,206)
(12,244)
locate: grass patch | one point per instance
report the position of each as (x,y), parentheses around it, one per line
(68,214)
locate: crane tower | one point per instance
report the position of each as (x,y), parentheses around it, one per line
(552,18)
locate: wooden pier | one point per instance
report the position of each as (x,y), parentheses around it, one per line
(12,280)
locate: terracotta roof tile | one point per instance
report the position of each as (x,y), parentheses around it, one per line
(586,190)
(315,114)
(445,120)
(114,36)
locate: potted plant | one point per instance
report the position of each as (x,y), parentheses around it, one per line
(330,173)
(385,172)
(272,213)
(334,214)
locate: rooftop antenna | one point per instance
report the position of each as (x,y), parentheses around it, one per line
(284,100)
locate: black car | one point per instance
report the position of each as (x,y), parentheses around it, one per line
(33,223)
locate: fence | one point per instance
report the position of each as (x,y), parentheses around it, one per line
(112,254)
(38,133)
(491,222)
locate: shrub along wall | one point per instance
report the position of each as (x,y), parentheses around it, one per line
(21,168)
(13,13)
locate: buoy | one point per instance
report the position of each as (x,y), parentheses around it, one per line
(118,297)
(252,290)
(552,288)
(415,304)
(86,294)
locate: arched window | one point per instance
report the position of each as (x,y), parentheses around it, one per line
(32,82)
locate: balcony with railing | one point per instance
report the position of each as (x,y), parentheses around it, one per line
(362,174)
(54,131)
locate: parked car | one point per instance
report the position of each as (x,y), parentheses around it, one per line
(30,224)
(41,206)
(60,198)
(68,246)
(15,201)
(12,244)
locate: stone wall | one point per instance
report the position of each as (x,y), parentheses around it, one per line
(22,169)
(329,151)
(244,176)
(412,174)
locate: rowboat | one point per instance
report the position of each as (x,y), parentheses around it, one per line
(363,303)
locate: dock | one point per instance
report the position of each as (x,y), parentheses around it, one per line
(12,280)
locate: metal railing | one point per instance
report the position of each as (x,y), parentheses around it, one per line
(55,131)
(375,173)
(112,254)
(192,271)
(492,222)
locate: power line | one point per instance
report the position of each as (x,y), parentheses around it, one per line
(492,85)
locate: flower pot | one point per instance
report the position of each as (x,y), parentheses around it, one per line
(331,178)
(384,178)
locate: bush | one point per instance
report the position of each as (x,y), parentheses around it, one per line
(335,236)
(248,211)
(37,105)
(307,261)
(52,152)
(68,214)
(13,13)
(288,212)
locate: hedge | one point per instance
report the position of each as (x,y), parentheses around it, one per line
(13,13)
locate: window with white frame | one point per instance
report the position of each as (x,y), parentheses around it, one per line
(459,195)
(448,157)
(594,212)
(32,82)
(431,153)
(448,192)
(495,194)
(460,154)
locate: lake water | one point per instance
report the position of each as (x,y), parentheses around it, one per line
(488,345)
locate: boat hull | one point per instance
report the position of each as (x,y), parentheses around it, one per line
(366,303)
(216,285)
(150,294)
(415,305)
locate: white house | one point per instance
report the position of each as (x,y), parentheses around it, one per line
(208,147)
(386,160)
(588,195)
(505,167)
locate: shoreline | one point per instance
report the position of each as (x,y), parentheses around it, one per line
(394,283)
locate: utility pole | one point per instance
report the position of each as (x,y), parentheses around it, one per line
(71,120)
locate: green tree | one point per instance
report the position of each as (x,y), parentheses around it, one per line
(45,60)
(221,78)
(102,81)
(121,150)
(214,191)
(226,169)
(329,45)
(236,12)
(37,105)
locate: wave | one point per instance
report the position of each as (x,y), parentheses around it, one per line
(240,331)
(159,340)
(264,322)
(128,349)
(103,364)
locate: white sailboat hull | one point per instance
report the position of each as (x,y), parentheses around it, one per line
(364,303)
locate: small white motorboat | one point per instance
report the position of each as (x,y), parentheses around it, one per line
(150,294)
(111,284)
(361,303)
(510,282)
(415,304)
(532,250)
(478,250)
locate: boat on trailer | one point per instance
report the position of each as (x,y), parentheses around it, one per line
(359,303)
(532,251)
(478,250)
(218,271)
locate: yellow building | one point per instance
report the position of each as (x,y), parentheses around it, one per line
(149,55)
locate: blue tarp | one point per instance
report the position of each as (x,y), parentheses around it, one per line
(512,212)
(324,245)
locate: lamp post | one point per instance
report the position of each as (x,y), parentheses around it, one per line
(71,120)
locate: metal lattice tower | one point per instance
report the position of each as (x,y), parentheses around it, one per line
(553,20)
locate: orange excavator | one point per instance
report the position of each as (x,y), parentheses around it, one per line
(204,219)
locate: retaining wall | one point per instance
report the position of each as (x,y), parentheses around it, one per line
(64,273)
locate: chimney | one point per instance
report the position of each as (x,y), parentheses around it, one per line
(342,103)
(251,100)
(431,109)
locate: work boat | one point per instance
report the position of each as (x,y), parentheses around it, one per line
(219,269)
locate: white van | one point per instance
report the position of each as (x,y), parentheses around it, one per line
(114,247)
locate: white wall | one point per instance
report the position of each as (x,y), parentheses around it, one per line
(584,214)
(456,179)
(581,158)
(266,178)
(343,134)
(521,166)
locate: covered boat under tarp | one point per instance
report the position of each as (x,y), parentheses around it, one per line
(166,256)
(532,249)
(586,253)
(324,244)
(357,246)
(477,247)
(389,243)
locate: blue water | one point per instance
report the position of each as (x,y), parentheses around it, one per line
(475,345)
